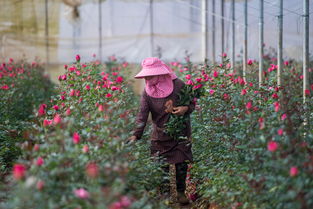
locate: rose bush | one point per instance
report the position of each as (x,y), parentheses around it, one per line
(253,146)
(77,158)
(23,87)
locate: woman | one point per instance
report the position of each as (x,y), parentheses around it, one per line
(159,98)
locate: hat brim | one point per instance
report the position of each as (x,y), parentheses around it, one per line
(145,72)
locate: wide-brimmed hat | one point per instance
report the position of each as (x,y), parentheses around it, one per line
(152,66)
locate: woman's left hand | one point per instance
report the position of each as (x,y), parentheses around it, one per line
(180,110)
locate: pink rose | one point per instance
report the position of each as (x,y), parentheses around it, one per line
(116,205)
(125,201)
(119,79)
(40,184)
(114,88)
(188,76)
(87,87)
(250,62)
(280,132)
(36,147)
(284,116)
(100,108)
(275,96)
(39,161)
(85,149)
(19,171)
(189,82)
(293,171)
(211,91)
(47,122)
(68,111)
(249,105)
(72,92)
(92,170)
(243,92)
(81,193)
(57,119)
(55,107)
(272,146)
(5,87)
(77,58)
(276,106)
(261,123)
(76,138)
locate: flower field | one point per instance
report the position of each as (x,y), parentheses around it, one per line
(252,145)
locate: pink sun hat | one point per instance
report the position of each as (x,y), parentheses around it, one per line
(152,66)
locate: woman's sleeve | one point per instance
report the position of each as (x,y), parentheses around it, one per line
(142,116)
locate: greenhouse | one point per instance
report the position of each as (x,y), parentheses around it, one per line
(139,104)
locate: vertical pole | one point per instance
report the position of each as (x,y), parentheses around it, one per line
(213,31)
(280,42)
(151,29)
(204,29)
(305,47)
(245,41)
(100,30)
(222,27)
(233,34)
(47,34)
(261,42)
(111,14)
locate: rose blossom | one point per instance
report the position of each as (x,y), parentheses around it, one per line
(119,79)
(293,171)
(36,147)
(19,171)
(76,138)
(261,123)
(85,149)
(125,201)
(56,107)
(77,58)
(92,170)
(284,116)
(81,193)
(57,119)
(39,161)
(68,111)
(243,92)
(272,146)
(249,105)
(40,184)
(100,108)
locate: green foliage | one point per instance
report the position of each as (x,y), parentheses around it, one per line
(232,130)
(23,87)
(81,139)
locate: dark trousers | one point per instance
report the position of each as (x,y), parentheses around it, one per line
(181,174)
